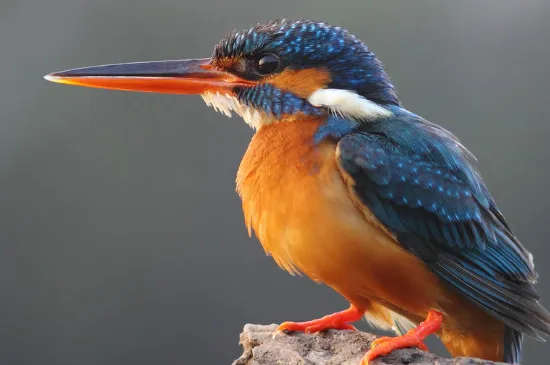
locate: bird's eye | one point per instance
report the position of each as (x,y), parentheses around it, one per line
(267,64)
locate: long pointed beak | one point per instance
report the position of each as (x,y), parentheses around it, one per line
(173,77)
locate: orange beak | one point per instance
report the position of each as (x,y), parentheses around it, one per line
(172,77)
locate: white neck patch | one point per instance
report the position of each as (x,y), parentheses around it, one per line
(225,103)
(348,104)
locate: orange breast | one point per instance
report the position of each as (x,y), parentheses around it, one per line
(304,214)
(297,203)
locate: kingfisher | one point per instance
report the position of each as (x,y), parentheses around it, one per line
(343,184)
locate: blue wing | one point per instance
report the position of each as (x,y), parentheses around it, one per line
(421,184)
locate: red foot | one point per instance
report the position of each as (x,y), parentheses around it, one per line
(338,320)
(384,345)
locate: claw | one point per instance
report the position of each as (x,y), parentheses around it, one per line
(339,321)
(383,340)
(385,345)
(308,327)
(320,328)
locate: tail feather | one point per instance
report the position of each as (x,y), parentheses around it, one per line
(513,345)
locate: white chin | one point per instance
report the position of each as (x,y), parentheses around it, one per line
(225,103)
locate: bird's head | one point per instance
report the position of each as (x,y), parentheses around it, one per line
(266,73)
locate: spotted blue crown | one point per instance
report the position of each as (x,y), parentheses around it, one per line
(305,44)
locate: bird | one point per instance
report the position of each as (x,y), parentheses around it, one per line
(343,184)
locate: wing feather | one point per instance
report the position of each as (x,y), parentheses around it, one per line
(421,184)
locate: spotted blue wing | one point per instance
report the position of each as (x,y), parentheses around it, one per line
(419,181)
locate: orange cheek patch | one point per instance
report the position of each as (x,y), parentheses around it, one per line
(301,82)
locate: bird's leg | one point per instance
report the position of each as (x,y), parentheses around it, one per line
(384,345)
(338,320)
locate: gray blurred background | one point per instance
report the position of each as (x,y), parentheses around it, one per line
(122,238)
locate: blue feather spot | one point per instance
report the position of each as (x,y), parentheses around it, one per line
(287,108)
(277,109)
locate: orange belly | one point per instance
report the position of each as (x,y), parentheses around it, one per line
(300,208)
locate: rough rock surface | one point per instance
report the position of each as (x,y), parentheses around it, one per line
(327,348)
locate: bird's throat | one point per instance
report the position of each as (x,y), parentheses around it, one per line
(226,103)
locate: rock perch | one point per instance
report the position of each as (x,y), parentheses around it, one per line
(327,348)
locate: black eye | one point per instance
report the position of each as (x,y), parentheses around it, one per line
(267,64)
